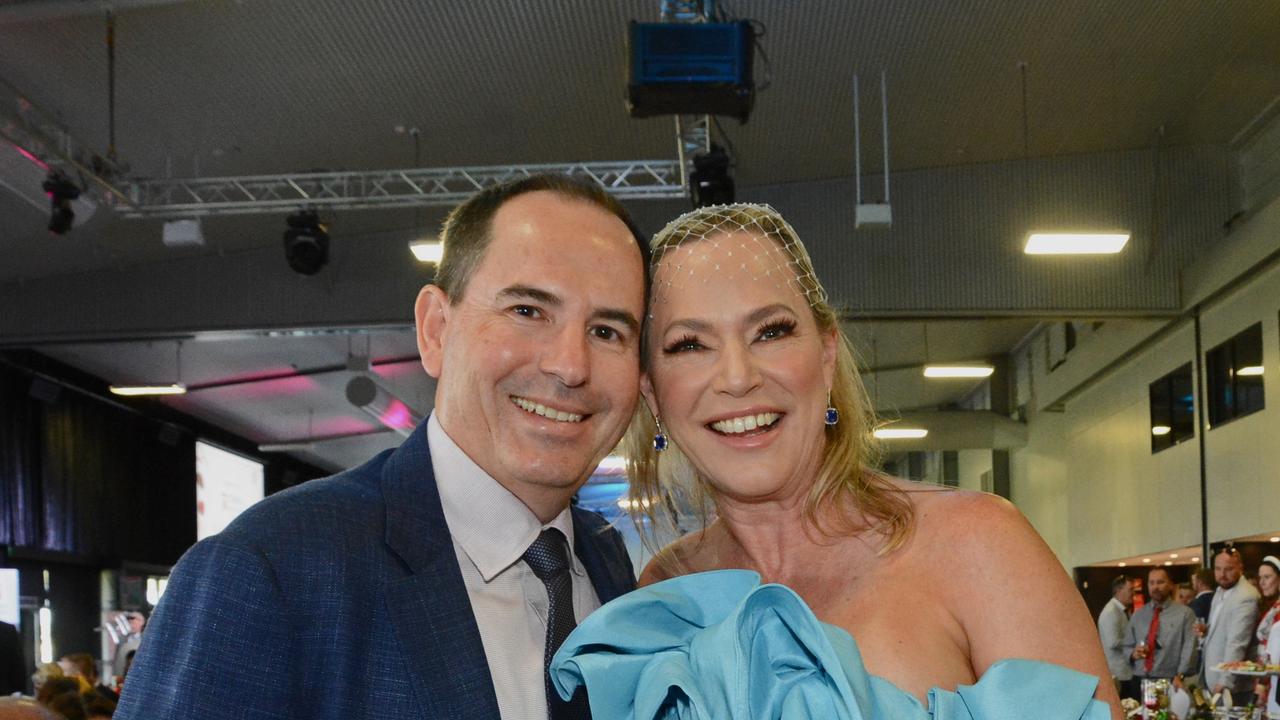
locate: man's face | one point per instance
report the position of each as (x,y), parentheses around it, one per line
(1184,595)
(1125,595)
(136,623)
(538,362)
(1158,585)
(1227,569)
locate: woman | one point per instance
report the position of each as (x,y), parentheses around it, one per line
(1268,639)
(762,413)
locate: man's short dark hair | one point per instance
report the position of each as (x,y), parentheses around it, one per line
(1204,576)
(1118,583)
(1160,568)
(467,231)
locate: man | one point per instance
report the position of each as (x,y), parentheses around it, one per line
(1232,618)
(1112,623)
(1159,641)
(13,672)
(137,622)
(1183,594)
(1202,582)
(436,581)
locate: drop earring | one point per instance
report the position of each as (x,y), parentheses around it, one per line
(832,416)
(659,439)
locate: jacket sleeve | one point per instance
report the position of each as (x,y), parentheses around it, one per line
(216,644)
(1111,630)
(1130,639)
(1240,628)
(1187,661)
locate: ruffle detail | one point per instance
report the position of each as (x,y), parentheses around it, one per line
(719,645)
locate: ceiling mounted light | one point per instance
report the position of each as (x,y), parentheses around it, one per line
(378,402)
(306,242)
(1253,370)
(958,371)
(427,251)
(1159,430)
(1075,243)
(139,390)
(61,192)
(1124,564)
(710,183)
(904,433)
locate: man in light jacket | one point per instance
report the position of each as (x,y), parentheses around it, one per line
(1232,618)
(1112,623)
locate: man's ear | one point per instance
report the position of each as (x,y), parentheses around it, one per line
(431,316)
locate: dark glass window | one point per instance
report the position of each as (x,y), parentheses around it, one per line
(1173,417)
(1234,373)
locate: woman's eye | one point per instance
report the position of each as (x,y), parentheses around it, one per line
(776,330)
(685,344)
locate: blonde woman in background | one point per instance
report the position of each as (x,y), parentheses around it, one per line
(753,406)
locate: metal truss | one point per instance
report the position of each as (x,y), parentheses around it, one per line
(422,187)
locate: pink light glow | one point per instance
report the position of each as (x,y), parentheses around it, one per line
(266,389)
(341,425)
(397,369)
(32,158)
(396,416)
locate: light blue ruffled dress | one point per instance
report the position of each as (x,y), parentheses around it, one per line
(720,646)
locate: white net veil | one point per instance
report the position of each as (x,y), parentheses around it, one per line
(767,246)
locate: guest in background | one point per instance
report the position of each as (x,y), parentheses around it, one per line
(83,665)
(62,695)
(1112,623)
(43,674)
(1232,620)
(1184,594)
(1159,640)
(1202,582)
(1268,638)
(24,709)
(130,643)
(13,674)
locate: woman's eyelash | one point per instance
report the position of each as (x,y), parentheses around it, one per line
(776,329)
(682,344)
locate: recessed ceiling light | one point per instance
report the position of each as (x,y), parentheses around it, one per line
(1173,555)
(1146,560)
(1274,539)
(1195,559)
(900,433)
(1160,430)
(1075,243)
(136,390)
(427,251)
(958,371)
(1168,562)
(1250,370)
(1124,564)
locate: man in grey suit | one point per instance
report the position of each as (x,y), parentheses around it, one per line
(1159,640)
(1112,623)
(1232,618)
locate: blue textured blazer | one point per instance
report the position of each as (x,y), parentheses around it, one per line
(340,598)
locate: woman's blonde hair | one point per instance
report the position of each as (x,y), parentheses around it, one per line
(846,480)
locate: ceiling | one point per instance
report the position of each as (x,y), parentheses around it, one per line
(236,87)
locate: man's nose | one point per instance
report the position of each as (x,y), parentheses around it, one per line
(568,357)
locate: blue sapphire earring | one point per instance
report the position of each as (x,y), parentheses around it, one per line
(659,439)
(833,416)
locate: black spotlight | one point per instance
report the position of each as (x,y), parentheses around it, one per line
(710,183)
(306,242)
(61,192)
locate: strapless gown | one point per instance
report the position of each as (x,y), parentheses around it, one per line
(721,646)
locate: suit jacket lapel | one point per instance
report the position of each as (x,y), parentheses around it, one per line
(430,610)
(610,577)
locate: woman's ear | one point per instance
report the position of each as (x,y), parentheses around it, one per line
(646,390)
(431,316)
(830,352)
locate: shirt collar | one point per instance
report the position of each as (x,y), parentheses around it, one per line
(493,526)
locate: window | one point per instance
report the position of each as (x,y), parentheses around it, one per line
(1234,372)
(1173,416)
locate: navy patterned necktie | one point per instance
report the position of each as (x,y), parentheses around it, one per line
(548,557)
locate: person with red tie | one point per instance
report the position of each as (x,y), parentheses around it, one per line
(1160,641)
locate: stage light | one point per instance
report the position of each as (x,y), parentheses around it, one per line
(1252,370)
(709,183)
(427,251)
(140,390)
(1158,430)
(306,242)
(61,192)
(1075,243)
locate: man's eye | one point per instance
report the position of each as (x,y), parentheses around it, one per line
(528,311)
(604,332)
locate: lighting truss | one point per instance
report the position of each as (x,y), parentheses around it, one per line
(422,187)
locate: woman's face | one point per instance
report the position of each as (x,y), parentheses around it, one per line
(1268,580)
(738,371)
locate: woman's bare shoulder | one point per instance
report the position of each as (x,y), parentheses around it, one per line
(679,558)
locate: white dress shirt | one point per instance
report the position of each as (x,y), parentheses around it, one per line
(491,529)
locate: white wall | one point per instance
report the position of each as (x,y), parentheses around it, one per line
(973,463)
(1087,478)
